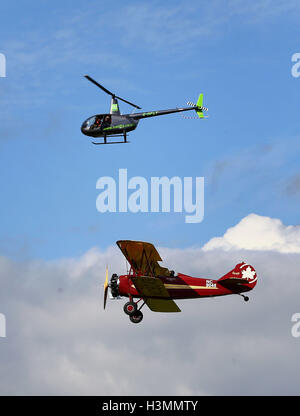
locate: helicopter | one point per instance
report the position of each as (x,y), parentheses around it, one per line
(115,124)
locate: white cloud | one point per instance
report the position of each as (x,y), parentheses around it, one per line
(162,28)
(256,232)
(60,341)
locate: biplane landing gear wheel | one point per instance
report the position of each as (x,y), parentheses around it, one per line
(130,308)
(245,298)
(137,317)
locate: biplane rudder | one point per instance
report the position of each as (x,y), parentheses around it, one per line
(243,275)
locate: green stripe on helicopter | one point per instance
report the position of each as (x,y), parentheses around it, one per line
(150,113)
(114,108)
(119,126)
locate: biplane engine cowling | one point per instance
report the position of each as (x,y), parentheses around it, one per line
(114,285)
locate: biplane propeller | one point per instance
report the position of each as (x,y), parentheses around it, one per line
(105,286)
(157,287)
(115,124)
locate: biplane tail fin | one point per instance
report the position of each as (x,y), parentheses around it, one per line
(242,277)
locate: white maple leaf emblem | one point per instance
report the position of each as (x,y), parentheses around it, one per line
(248,274)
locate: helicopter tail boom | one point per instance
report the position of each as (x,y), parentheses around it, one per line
(197,107)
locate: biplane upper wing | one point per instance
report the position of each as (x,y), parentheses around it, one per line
(143,258)
(154,293)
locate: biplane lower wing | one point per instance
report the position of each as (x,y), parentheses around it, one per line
(162,305)
(154,293)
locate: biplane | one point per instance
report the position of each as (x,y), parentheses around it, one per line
(157,287)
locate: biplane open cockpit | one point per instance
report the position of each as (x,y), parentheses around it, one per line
(157,287)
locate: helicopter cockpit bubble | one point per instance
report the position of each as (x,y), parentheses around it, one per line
(91,123)
(88,123)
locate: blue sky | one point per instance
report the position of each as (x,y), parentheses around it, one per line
(55,245)
(158,55)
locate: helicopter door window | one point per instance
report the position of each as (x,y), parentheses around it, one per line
(98,122)
(107,121)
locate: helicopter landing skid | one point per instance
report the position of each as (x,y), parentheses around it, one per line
(111,142)
(115,135)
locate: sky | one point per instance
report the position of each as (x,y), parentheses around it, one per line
(54,243)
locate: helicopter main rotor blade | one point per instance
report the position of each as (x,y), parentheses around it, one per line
(99,85)
(109,92)
(128,102)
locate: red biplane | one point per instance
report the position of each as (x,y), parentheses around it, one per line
(157,286)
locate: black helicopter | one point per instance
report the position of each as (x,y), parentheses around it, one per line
(116,124)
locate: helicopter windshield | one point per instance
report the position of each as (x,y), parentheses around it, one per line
(87,124)
(93,122)
(96,122)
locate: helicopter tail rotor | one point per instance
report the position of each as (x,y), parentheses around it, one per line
(199,106)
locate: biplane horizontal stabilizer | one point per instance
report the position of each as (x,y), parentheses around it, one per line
(232,281)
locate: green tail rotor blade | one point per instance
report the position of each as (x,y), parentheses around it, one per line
(200,104)
(200,100)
